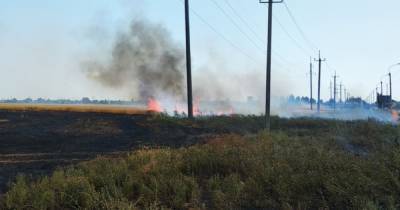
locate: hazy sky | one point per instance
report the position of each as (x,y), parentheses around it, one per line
(44,42)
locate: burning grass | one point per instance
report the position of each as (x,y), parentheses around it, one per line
(75,108)
(302,164)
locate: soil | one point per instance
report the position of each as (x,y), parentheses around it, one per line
(35,143)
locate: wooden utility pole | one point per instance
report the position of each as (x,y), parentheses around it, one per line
(269,51)
(387,89)
(334,91)
(188,61)
(390,86)
(319,60)
(330,90)
(374,97)
(340,100)
(311,85)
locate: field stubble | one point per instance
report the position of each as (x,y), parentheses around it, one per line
(211,162)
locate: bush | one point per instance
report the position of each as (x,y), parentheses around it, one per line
(283,170)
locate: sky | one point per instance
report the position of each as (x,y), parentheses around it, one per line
(44,42)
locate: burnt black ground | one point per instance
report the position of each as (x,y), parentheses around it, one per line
(35,143)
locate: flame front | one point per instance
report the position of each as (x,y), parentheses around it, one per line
(395,116)
(196,107)
(153,105)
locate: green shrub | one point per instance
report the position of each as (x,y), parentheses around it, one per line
(292,168)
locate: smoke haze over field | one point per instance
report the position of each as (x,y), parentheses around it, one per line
(43,44)
(144,61)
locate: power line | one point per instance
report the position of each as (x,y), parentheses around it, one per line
(220,34)
(237,26)
(216,31)
(244,21)
(280,57)
(282,64)
(310,44)
(330,68)
(291,37)
(251,29)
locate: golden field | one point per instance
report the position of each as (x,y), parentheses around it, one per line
(112,109)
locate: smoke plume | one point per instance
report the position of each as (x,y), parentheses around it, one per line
(143,60)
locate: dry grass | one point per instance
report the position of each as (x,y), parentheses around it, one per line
(263,171)
(111,109)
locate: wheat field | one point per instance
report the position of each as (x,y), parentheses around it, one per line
(112,109)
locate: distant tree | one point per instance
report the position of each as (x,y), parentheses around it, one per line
(86,100)
(292,99)
(27,100)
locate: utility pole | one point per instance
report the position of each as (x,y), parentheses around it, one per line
(341,101)
(319,80)
(378,97)
(345,95)
(311,90)
(334,91)
(374,96)
(330,90)
(188,61)
(387,89)
(268,79)
(390,86)
(370,97)
(381,88)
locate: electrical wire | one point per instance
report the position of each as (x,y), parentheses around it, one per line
(251,29)
(244,21)
(215,30)
(333,71)
(291,37)
(212,28)
(205,22)
(237,26)
(309,43)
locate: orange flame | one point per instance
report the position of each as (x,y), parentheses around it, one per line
(153,105)
(196,107)
(395,116)
(231,111)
